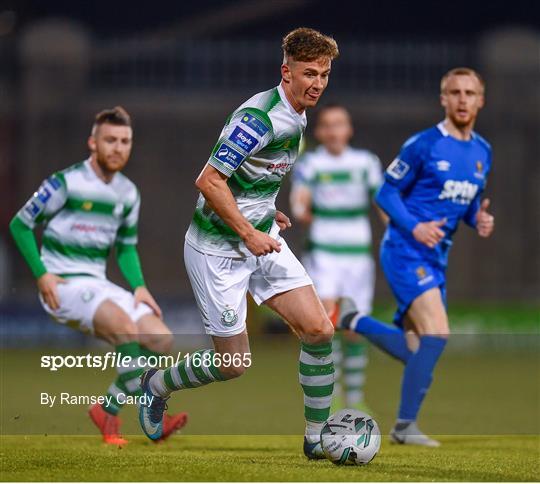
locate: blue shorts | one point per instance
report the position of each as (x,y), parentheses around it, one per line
(409,275)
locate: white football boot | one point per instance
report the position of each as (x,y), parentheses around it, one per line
(410,434)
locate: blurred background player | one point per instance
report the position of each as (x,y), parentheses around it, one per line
(233,243)
(88,209)
(331,193)
(436,181)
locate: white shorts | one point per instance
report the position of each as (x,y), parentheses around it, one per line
(81,296)
(220,284)
(337,275)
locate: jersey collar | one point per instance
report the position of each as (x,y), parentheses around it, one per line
(93,175)
(445,133)
(302,117)
(442,129)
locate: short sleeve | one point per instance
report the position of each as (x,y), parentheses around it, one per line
(46,202)
(127,232)
(248,131)
(404,169)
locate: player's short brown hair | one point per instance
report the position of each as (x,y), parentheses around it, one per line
(462,71)
(117,116)
(306,45)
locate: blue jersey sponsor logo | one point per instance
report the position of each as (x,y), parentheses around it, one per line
(258,126)
(242,139)
(459,191)
(227,155)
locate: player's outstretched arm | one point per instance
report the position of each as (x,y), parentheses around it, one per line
(213,185)
(485,222)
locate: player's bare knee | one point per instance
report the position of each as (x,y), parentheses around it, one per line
(319,332)
(124,332)
(124,329)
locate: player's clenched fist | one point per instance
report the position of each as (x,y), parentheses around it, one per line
(260,243)
(485,222)
(429,233)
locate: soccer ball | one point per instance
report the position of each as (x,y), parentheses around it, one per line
(350,437)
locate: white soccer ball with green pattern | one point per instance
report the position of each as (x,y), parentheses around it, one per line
(350,437)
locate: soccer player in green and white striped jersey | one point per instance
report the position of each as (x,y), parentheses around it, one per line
(332,190)
(88,209)
(233,243)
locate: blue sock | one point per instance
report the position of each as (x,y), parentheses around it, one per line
(387,338)
(417,376)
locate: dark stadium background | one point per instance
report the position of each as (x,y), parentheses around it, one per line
(181,67)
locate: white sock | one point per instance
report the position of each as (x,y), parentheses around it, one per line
(313,431)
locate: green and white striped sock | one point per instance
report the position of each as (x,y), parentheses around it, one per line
(317,380)
(354,366)
(128,380)
(194,371)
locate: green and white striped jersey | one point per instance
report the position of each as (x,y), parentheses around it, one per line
(256,148)
(84,217)
(341,188)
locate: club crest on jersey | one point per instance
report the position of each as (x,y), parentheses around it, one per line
(243,139)
(461,192)
(229,317)
(422,275)
(87,206)
(229,156)
(398,169)
(87,295)
(258,126)
(443,165)
(479,170)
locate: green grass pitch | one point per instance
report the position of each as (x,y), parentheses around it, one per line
(262,458)
(484,406)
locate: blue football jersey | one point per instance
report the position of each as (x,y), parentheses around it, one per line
(439,177)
